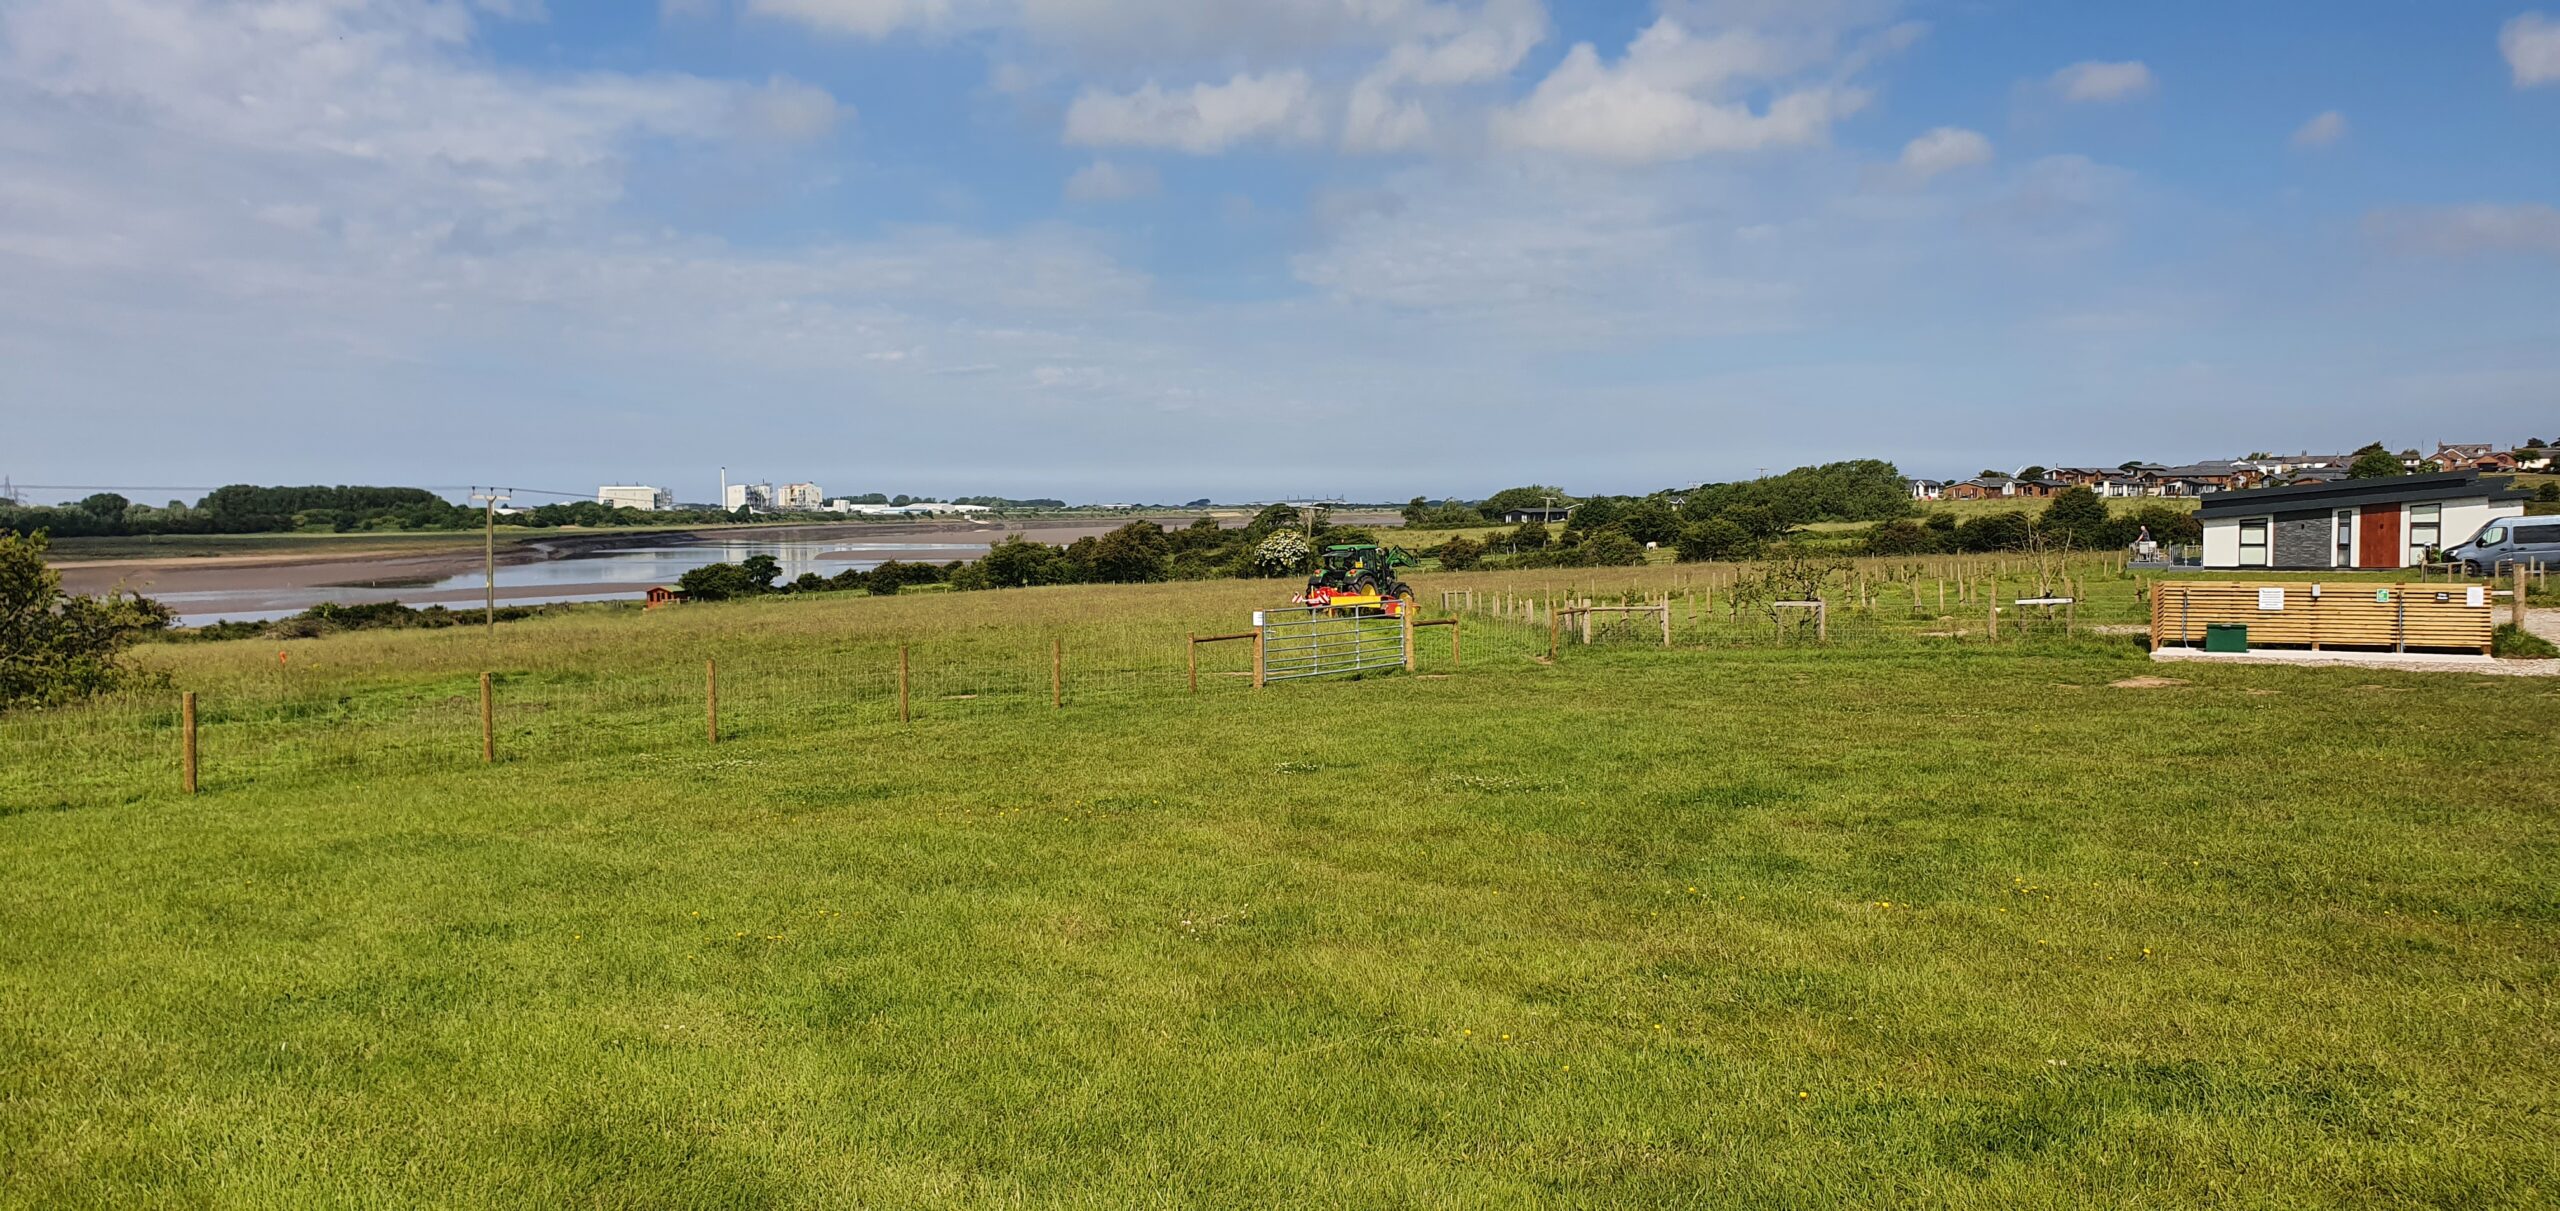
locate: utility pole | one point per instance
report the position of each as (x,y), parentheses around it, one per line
(489,553)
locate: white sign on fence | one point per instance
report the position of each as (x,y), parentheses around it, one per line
(2475,596)
(2271,599)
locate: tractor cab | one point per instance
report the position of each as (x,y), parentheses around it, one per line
(1359,573)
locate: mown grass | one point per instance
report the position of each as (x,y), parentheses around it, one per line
(1899,922)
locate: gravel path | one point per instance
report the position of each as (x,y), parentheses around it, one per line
(2545,623)
(2408,663)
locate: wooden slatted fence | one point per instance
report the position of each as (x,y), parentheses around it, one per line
(2436,617)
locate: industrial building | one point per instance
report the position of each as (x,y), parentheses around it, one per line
(635,496)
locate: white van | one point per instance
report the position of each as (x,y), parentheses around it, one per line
(2507,541)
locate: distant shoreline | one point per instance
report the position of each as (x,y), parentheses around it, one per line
(393,565)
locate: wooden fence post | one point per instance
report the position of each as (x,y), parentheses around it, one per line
(1994,616)
(1057,673)
(187,742)
(1821,620)
(1454,628)
(488,723)
(1554,623)
(902,683)
(1191,658)
(2515,608)
(1406,614)
(711,699)
(1261,675)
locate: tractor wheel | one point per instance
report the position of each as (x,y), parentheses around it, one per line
(1400,591)
(1363,583)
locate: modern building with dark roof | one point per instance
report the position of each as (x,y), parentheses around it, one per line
(2384,523)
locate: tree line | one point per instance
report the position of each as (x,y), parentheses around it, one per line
(1278,541)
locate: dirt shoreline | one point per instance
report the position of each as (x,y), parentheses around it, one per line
(394,569)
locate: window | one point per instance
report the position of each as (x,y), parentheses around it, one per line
(2426,529)
(2537,534)
(2253,543)
(2346,534)
(2490,536)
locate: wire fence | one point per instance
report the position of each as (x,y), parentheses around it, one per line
(300,721)
(372,705)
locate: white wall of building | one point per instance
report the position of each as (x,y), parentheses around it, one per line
(2222,542)
(635,496)
(2459,519)
(748,496)
(800,496)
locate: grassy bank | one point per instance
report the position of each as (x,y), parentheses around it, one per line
(1893,922)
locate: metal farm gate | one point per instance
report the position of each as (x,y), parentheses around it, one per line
(1322,641)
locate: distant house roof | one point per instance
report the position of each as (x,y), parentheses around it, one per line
(2339,494)
(1535,513)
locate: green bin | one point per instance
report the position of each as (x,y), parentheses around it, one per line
(2226,637)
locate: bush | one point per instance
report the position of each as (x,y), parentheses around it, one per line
(1717,538)
(1905,537)
(2007,531)
(2077,516)
(1531,536)
(1609,549)
(1284,552)
(55,647)
(2513,642)
(1460,554)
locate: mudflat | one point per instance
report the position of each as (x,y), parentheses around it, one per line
(393,561)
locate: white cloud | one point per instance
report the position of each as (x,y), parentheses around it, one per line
(1670,97)
(2321,131)
(1104,181)
(790,111)
(2465,230)
(2531,43)
(1201,119)
(1376,121)
(1945,149)
(876,18)
(2096,81)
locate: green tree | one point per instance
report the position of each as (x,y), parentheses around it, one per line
(2078,516)
(2375,464)
(1716,538)
(55,646)
(720,582)
(105,505)
(1531,536)
(1609,549)
(2004,531)
(1902,536)
(1533,496)
(1459,554)
(2031,473)
(1018,562)
(1133,554)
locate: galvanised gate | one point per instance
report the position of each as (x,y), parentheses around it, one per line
(1294,642)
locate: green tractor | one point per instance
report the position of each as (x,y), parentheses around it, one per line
(1360,569)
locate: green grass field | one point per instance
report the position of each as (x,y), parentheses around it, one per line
(1899,921)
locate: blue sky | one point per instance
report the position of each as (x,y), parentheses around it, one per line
(1158,249)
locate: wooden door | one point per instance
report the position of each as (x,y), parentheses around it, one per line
(2378,537)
